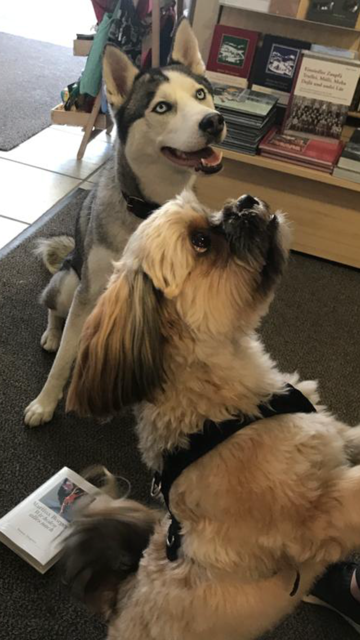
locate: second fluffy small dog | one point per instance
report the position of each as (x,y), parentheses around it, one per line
(258,517)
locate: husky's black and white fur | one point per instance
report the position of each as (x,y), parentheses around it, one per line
(165,121)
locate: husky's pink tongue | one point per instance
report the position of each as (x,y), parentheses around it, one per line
(207,159)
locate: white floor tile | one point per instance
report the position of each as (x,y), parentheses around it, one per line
(9,229)
(54,150)
(27,192)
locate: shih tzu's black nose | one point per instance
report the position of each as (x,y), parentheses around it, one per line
(212,124)
(246,203)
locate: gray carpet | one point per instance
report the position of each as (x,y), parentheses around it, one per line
(313,326)
(32,75)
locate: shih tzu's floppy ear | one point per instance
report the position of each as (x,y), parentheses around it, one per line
(185,49)
(120,356)
(119,75)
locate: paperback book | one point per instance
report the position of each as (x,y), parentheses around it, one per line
(34,529)
(232,51)
(323,92)
(350,157)
(275,66)
(346,174)
(249,115)
(317,154)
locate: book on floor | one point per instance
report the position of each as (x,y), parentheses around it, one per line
(322,94)
(350,157)
(317,154)
(341,13)
(275,66)
(34,529)
(232,52)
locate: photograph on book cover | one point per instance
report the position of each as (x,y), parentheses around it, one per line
(282,61)
(316,117)
(62,498)
(233,51)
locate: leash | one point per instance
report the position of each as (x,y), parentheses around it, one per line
(140,208)
(201,443)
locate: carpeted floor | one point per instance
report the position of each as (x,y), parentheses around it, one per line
(313,326)
(32,75)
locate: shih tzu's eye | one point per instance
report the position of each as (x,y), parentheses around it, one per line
(162,107)
(201,94)
(201,241)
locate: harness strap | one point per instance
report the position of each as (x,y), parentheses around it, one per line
(140,208)
(201,443)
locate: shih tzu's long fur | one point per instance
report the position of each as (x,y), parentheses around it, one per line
(175,333)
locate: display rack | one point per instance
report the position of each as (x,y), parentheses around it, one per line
(325,209)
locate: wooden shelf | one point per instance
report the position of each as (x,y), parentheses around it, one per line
(301,16)
(78,118)
(290,169)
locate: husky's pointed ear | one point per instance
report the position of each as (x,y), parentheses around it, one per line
(120,356)
(119,74)
(185,49)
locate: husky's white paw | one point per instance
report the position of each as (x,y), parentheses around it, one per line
(50,340)
(38,412)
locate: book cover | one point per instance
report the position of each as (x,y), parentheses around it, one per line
(244,101)
(287,8)
(342,13)
(319,152)
(232,51)
(275,65)
(35,527)
(322,94)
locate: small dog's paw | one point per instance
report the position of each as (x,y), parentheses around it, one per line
(38,412)
(310,389)
(50,340)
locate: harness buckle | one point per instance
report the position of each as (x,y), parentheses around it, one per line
(155,486)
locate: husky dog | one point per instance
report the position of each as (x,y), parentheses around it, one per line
(267,507)
(166,121)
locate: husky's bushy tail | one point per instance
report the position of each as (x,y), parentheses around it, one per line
(53,251)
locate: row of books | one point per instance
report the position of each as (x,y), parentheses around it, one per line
(341,13)
(315,88)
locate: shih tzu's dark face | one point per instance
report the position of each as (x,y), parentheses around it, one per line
(209,274)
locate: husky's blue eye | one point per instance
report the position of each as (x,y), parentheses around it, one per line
(201,94)
(162,107)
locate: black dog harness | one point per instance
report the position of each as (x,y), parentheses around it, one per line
(201,443)
(140,208)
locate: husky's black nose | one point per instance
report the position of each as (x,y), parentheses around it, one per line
(212,124)
(246,202)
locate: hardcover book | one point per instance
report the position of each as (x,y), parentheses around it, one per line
(346,174)
(310,152)
(275,66)
(245,101)
(34,529)
(350,158)
(342,13)
(323,92)
(232,51)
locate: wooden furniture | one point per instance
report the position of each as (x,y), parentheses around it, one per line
(325,210)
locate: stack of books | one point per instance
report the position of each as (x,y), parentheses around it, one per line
(318,154)
(249,116)
(349,164)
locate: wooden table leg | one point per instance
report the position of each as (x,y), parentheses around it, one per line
(90,125)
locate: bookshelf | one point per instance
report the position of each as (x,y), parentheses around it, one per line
(324,210)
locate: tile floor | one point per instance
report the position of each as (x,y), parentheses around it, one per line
(43,170)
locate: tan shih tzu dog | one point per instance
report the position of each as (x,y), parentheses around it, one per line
(259,516)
